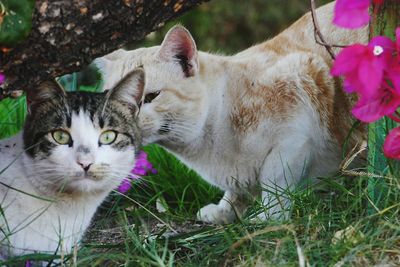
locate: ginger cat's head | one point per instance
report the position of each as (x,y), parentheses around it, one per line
(173,110)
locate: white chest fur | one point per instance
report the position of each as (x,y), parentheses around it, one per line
(33,224)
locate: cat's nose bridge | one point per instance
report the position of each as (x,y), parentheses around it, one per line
(84,157)
(82,149)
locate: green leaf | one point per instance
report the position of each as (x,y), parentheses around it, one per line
(15,20)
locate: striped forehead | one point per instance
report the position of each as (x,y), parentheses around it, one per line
(83,130)
(88,102)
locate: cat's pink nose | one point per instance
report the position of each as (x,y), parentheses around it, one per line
(85,165)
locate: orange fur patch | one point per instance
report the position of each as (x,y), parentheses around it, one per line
(256,102)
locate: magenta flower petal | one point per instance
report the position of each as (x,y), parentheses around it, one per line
(351,13)
(384,102)
(381,51)
(394,76)
(367,111)
(142,168)
(391,147)
(387,43)
(125,185)
(398,39)
(348,59)
(2,78)
(139,171)
(347,63)
(363,66)
(353,4)
(370,77)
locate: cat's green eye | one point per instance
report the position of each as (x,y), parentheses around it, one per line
(62,137)
(107,137)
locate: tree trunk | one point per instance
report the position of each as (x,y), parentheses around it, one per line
(67,35)
(385,21)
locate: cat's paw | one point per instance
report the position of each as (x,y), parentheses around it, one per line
(216,214)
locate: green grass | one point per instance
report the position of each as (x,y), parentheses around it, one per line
(12,116)
(130,231)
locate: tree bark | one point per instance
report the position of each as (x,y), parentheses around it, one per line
(67,35)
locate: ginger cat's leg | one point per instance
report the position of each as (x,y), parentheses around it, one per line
(229,208)
(280,174)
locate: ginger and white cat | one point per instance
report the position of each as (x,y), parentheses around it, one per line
(265,117)
(75,148)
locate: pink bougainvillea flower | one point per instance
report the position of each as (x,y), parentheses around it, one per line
(398,41)
(351,13)
(142,168)
(363,66)
(2,78)
(384,102)
(391,147)
(393,74)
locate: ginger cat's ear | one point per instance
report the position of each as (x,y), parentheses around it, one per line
(130,88)
(179,46)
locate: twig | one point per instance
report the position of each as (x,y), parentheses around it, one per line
(317,33)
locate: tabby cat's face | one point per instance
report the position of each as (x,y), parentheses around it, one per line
(80,141)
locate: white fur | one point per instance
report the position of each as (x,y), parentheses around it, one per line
(33,224)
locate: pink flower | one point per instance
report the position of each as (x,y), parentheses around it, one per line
(393,74)
(384,102)
(352,13)
(363,66)
(142,168)
(2,78)
(125,185)
(391,147)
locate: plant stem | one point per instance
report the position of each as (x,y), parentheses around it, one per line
(386,18)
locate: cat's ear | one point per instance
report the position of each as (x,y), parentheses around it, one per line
(130,88)
(110,67)
(44,92)
(179,46)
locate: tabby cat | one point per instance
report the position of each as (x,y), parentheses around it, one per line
(75,148)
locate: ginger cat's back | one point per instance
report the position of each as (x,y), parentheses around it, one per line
(300,38)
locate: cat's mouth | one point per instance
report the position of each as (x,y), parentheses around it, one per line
(79,176)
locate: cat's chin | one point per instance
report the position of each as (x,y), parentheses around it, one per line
(88,184)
